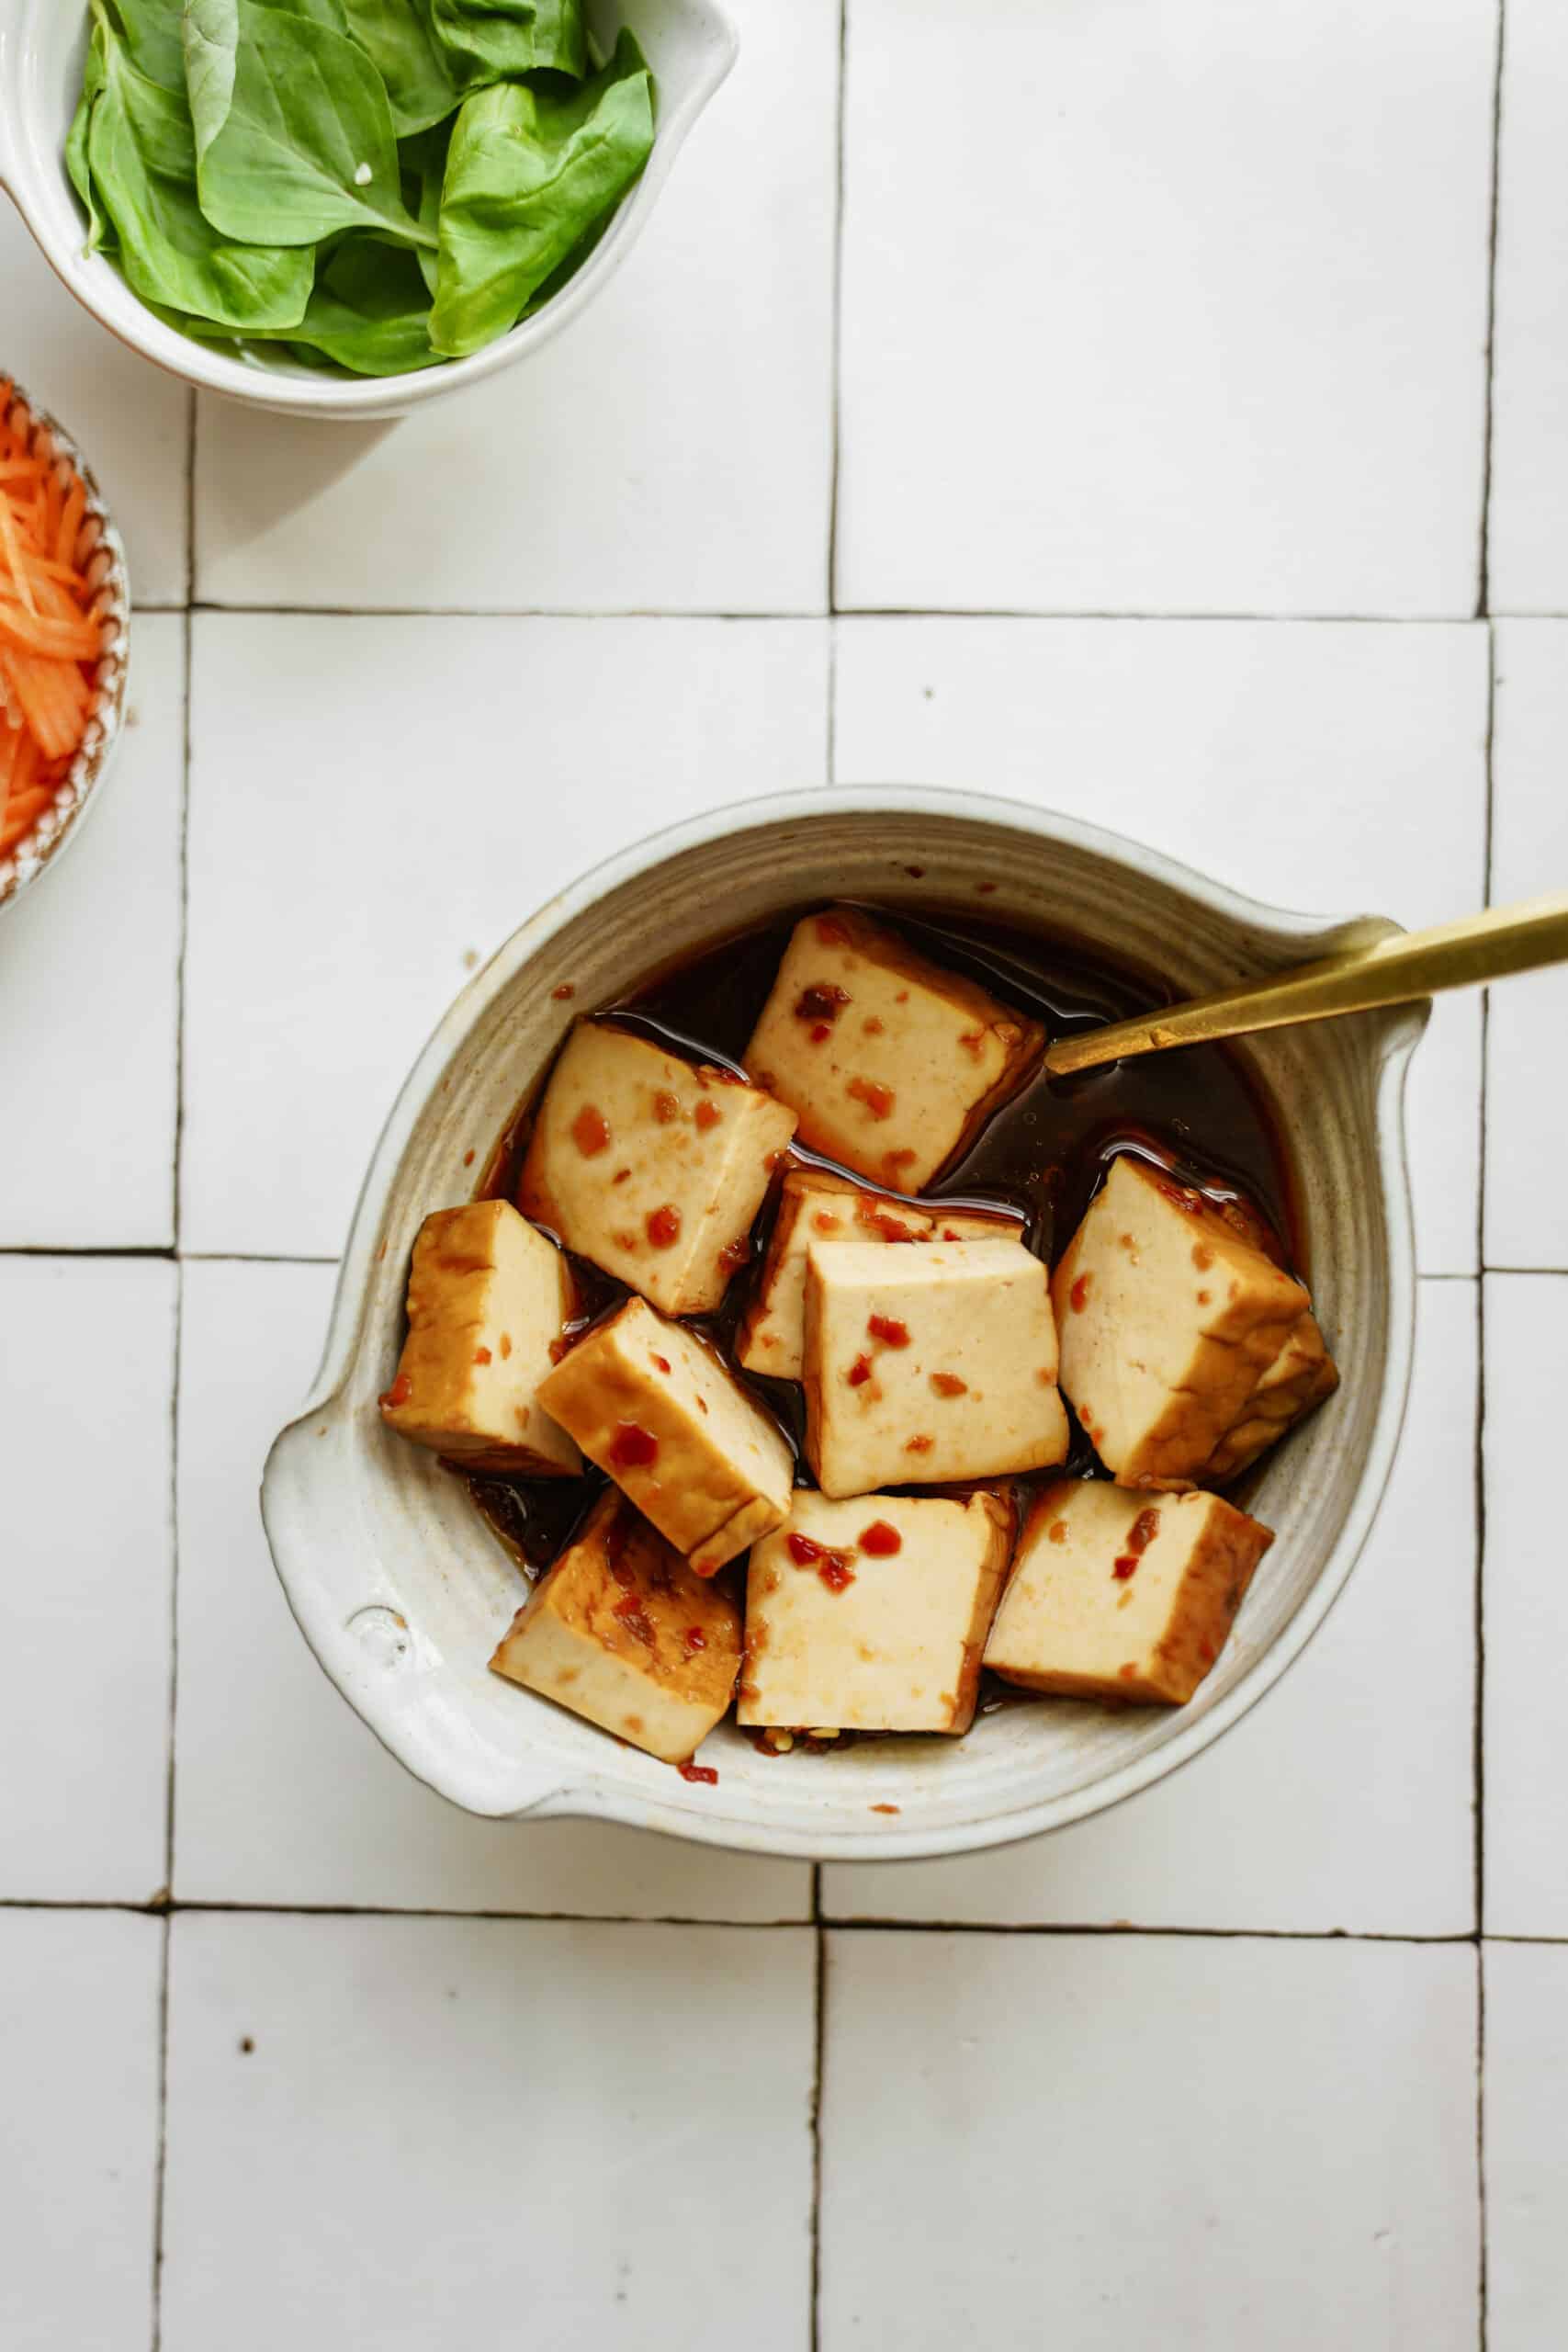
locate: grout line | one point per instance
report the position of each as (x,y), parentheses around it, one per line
(837,327)
(183,944)
(192,600)
(1110,612)
(1505,1270)
(165,1251)
(1478,1781)
(160,2170)
(189,490)
(188,650)
(818,2039)
(1478,1765)
(808,613)
(156,1251)
(167,1891)
(1481,2262)
(504,612)
(252,1257)
(163,1903)
(832,701)
(1483,584)
(1478,1733)
(162,1906)
(869,1926)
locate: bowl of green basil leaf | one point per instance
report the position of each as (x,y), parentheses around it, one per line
(345,207)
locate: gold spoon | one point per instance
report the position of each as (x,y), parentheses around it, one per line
(1487,947)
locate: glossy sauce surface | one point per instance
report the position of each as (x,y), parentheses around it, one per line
(1043,1157)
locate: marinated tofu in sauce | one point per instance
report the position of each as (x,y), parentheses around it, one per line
(660,1412)
(843,1322)
(488,1298)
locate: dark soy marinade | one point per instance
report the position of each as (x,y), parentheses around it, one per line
(1195,1111)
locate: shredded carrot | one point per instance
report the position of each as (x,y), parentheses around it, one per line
(50,636)
(56,598)
(54,713)
(12,738)
(45,633)
(70,521)
(25,805)
(47,571)
(18,563)
(19,812)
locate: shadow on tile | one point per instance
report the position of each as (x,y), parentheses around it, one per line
(291,464)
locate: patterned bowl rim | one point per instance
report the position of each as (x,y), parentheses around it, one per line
(82,789)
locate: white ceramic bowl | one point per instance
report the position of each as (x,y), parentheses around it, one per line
(402,1591)
(99,550)
(689,44)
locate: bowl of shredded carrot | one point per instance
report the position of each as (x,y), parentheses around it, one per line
(64,630)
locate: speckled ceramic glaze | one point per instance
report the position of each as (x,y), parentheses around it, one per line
(689,44)
(402,1592)
(102,557)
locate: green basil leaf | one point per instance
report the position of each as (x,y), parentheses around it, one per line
(151,32)
(370,310)
(399,39)
(423,159)
(210,38)
(306,145)
(76,162)
(210,34)
(565,270)
(142,154)
(529,175)
(493,40)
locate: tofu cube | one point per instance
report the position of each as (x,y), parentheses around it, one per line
(652,1166)
(1121,1596)
(1302,1376)
(872,1615)
(927,1365)
(893,1064)
(1168,1319)
(487,1296)
(620,1631)
(653,1405)
(815,1205)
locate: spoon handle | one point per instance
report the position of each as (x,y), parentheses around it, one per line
(1466,954)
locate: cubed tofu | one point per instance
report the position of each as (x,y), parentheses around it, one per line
(872,1615)
(926,1366)
(815,1205)
(1121,1596)
(652,1166)
(892,1064)
(1168,1319)
(653,1405)
(620,1631)
(487,1297)
(1301,1377)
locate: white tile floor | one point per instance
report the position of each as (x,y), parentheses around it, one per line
(964,341)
